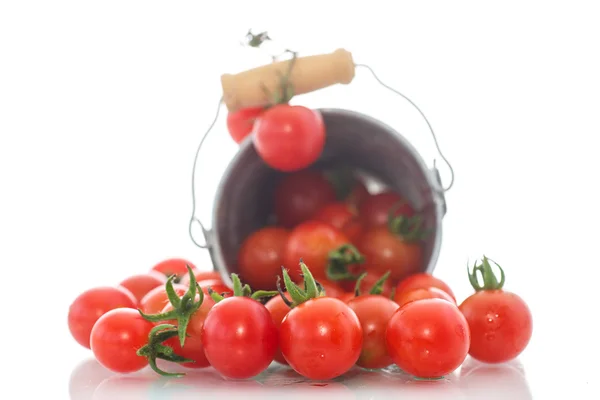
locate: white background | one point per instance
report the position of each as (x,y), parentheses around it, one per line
(102,105)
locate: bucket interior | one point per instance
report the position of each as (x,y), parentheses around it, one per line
(244,201)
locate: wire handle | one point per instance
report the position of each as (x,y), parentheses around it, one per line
(437,146)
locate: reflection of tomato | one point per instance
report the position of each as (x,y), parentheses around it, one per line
(311,241)
(85,378)
(373,312)
(406,297)
(278,310)
(300,195)
(156,299)
(174,266)
(341,217)
(201,276)
(140,285)
(422,280)
(384,251)
(428,338)
(261,256)
(241,122)
(192,348)
(375,209)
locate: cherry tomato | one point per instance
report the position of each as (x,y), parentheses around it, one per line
(384,251)
(117,336)
(342,217)
(192,348)
(358,194)
(140,285)
(423,280)
(201,276)
(428,338)
(311,241)
(367,283)
(90,305)
(300,195)
(406,297)
(347,296)
(241,122)
(261,256)
(321,339)
(216,285)
(289,138)
(348,186)
(375,209)
(240,338)
(374,313)
(332,289)
(174,266)
(500,324)
(278,310)
(156,299)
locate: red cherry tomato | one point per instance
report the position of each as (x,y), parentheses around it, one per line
(300,195)
(347,296)
(241,122)
(342,217)
(192,348)
(117,336)
(332,289)
(500,324)
(321,339)
(261,256)
(311,241)
(428,338)
(156,299)
(140,285)
(289,138)
(374,313)
(90,305)
(423,280)
(406,297)
(216,285)
(384,251)
(367,283)
(201,276)
(278,310)
(358,194)
(240,338)
(174,266)
(375,209)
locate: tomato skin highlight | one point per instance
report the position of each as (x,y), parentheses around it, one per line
(201,276)
(374,313)
(423,280)
(193,348)
(300,195)
(92,304)
(156,299)
(289,138)
(406,297)
(384,251)
(117,336)
(321,339)
(241,122)
(500,323)
(278,310)
(428,338)
(311,241)
(261,256)
(342,217)
(140,285)
(375,209)
(240,338)
(174,266)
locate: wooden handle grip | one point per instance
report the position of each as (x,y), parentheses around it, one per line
(247,89)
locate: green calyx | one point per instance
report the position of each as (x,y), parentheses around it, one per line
(339,261)
(377,287)
(410,229)
(488,277)
(285,89)
(183,308)
(240,290)
(155,349)
(312,289)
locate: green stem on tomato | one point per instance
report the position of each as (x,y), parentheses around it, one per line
(183,308)
(357,285)
(241,290)
(378,286)
(488,277)
(155,349)
(339,261)
(312,289)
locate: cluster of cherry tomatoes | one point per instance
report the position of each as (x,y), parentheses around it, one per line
(287,138)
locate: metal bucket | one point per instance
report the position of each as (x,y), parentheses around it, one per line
(244,197)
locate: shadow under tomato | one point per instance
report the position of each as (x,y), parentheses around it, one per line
(85,378)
